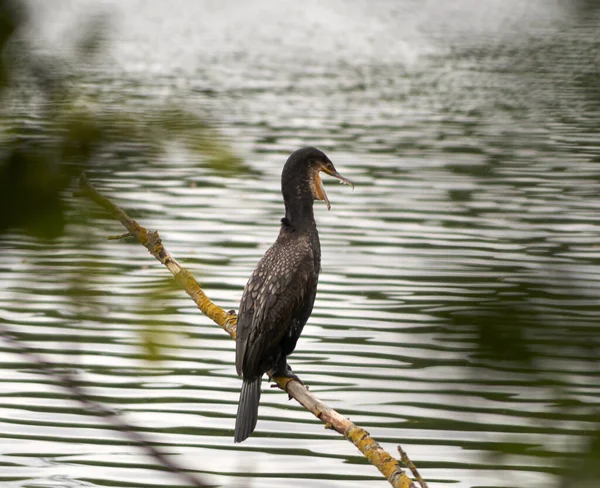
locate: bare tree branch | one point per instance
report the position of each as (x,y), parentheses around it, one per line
(374,453)
(410,465)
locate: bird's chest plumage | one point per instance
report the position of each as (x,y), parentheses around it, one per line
(277,301)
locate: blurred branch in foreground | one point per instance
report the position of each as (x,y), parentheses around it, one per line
(64,379)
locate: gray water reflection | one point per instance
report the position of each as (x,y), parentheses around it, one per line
(470,129)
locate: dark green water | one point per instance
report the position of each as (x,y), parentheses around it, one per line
(471,132)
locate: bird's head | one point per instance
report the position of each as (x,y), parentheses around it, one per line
(301,175)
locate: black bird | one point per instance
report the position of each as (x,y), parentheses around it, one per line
(279,296)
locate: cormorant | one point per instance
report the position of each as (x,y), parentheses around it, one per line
(279,296)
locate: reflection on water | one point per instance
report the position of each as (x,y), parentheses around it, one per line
(470,130)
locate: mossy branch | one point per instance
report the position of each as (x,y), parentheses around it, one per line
(374,453)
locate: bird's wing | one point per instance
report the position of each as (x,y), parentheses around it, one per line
(273,297)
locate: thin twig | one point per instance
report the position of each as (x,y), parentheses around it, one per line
(374,453)
(120,236)
(69,383)
(410,465)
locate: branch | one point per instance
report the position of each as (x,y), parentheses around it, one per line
(374,453)
(410,465)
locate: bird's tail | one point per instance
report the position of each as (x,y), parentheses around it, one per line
(247,413)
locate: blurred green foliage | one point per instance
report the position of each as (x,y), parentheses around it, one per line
(50,130)
(523,325)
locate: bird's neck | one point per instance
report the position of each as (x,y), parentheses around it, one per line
(299,213)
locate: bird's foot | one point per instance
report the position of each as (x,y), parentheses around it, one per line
(285,371)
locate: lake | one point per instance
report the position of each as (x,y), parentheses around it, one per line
(471,131)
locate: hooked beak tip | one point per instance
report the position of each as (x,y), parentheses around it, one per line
(342,179)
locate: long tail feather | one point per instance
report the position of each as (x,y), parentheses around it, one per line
(247,413)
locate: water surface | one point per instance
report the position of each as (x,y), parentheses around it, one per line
(471,132)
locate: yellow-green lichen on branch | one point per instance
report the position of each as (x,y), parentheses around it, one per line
(377,456)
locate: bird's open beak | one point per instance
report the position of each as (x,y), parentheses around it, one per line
(321,189)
